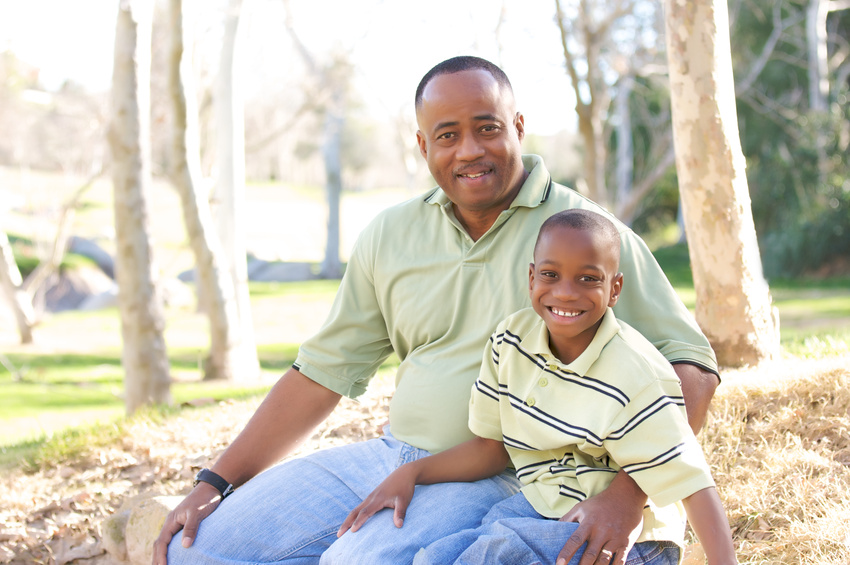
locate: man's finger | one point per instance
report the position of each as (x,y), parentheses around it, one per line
(190,530)
(571,547)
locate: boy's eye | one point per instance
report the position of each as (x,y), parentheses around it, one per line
(588,278)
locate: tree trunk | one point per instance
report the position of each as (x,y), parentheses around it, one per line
(733,300)
(144,356)
(332,150)
(213,281)
(230,189)
(19,300)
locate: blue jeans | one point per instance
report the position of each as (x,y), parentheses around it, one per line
(514,533)
(291,513)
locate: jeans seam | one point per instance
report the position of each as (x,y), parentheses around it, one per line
(319,536)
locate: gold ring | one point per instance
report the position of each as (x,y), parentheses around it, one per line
(607,553)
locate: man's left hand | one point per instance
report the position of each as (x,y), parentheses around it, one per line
(609,523)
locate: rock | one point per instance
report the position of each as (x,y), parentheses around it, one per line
(129,533)
(90,249)
(70,289)
(693,555)
(144,525)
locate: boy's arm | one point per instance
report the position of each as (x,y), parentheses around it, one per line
(708,520)
(473,460)
(607,519)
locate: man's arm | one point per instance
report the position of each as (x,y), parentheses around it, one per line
(607,519)
(289,413)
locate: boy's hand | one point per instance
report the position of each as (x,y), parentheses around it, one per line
(395,492)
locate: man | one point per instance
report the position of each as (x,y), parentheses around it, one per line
(429,279)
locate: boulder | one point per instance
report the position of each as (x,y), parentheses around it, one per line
(129,533)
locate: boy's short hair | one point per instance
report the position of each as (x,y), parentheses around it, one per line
(585,220)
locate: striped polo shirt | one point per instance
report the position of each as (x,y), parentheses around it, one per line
(570,428)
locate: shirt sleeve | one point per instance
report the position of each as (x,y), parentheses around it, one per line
(650,304)
(352,343)
(652,441)
(484,417)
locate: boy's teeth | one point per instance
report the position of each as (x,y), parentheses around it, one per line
(565,313)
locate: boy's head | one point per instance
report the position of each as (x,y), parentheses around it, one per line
(574,278)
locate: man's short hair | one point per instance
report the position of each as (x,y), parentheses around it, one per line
(585,220)
(459,64)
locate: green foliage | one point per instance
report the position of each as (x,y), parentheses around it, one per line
(796,159)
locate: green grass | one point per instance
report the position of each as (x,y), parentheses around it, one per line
(69,402)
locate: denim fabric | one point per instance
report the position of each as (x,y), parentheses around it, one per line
(291,513)
(514,533)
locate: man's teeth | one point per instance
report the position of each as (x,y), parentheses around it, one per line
(474,176)
(565,313)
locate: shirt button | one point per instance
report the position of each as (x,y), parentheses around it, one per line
(543,382)
(552,367)
(531,402)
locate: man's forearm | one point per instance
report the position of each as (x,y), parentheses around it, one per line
(698,386)
(290,412)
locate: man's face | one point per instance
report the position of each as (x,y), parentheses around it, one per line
(470,134)
(572,282)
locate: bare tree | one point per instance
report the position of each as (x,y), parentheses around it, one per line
(230,187)
(12,286)
(607,46)
(332,82)
(213,281)
(733,300)
(144,356)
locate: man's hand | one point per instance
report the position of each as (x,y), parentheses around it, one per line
(187,516)
(395,492)
(609,523)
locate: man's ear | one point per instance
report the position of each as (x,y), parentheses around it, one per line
(616,288)
(519,124)
(423,147)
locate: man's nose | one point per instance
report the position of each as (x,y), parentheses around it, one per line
(470,148)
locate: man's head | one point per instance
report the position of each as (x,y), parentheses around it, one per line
(463,63)
(470,134)
(574,278)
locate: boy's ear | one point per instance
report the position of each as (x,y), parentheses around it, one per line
(530,275)
(616,287)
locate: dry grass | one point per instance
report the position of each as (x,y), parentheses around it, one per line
(778,442)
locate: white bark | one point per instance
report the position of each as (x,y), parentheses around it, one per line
(19,300)
(230,187)
(144,356)
(818,67)
(733,300)
(213,281)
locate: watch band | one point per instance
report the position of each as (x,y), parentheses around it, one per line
(214,479)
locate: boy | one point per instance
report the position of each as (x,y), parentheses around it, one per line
(569,396)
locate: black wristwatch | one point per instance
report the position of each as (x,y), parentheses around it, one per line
(222,486)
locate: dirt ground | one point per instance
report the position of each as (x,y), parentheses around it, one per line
(54,516)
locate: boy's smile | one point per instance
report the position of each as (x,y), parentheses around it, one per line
(572,282)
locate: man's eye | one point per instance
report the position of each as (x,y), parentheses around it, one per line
(447,135)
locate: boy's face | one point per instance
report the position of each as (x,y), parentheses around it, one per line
(572,282)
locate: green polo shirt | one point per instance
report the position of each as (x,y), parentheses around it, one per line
(569,428)
(418,285)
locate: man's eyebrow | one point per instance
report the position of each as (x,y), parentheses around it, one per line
(479,118)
